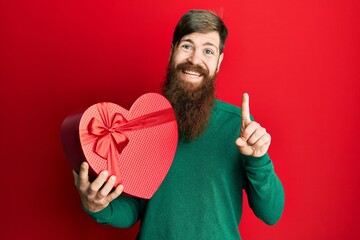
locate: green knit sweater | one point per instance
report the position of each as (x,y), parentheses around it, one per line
(201,196)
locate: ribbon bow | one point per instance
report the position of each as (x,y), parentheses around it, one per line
(108,133)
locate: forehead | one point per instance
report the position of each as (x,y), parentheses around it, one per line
(198,38)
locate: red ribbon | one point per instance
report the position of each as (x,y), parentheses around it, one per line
(108,133)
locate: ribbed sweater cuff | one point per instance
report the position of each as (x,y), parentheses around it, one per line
(256,162)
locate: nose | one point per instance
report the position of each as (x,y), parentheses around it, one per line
(195,58)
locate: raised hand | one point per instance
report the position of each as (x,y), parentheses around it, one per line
(97,195)
(253,140)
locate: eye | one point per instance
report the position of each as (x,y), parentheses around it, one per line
(186,47)
(209,52)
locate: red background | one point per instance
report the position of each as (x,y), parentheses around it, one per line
(299,60)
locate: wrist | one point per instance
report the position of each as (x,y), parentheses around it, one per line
(93,211)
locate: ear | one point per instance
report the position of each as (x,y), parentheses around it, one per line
(221,57)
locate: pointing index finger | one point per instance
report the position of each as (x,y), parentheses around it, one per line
(245,110)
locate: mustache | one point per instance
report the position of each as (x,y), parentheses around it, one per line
(186,66)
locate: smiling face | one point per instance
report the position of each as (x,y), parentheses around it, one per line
(196,57)
(190,81)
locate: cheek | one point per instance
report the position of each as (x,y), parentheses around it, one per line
(212,67)
(179,58)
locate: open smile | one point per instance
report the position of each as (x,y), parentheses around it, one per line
(192,73)
(192,76)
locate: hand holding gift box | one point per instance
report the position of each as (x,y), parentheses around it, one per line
(136,145)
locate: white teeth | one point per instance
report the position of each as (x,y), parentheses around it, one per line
(193,73)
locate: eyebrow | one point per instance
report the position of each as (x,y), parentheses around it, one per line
(205,44)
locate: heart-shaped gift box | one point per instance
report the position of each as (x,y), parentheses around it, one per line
(136,145)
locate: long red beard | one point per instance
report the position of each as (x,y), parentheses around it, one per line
(192,103)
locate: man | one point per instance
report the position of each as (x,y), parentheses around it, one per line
(221,151)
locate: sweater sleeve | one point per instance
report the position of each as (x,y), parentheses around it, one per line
(264,189)
(122,212)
